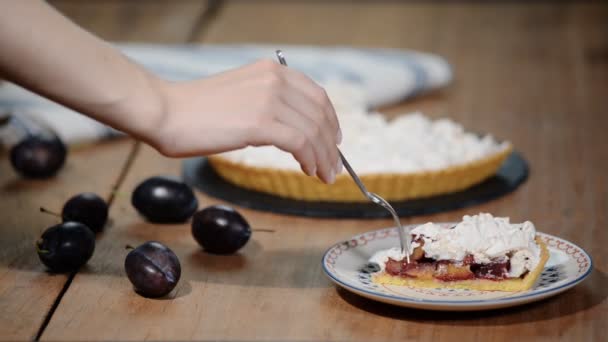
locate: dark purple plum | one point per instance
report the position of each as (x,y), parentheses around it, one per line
(66,247)
(153,269)
(220,229)
(38,157)
(164,200)
(87,208)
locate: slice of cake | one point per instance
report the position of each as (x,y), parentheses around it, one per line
(480,253)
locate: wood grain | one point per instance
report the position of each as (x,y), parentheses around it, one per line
(27,292)
(534,74)
(158,21)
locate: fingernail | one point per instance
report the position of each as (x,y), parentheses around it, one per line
(313,172)
(339,136)
(339,167)
(332,177)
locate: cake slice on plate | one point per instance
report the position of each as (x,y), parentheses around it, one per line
(481,252)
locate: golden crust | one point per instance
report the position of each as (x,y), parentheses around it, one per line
(391,186)
(510,285)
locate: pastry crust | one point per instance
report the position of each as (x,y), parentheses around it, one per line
(510,285)
(391,186)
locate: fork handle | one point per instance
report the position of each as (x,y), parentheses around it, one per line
(355,177)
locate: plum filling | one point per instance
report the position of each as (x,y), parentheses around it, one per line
(421,267)
(394,267)
(494,270)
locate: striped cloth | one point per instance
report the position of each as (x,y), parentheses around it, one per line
(382,76)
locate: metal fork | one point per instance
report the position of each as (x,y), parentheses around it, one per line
(403,236)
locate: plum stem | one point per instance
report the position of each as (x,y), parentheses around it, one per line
(129,247)
(263,230)
(46,211)
(124,171)
(120,194)
(38,249)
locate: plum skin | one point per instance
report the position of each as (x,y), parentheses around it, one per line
(66,246)
(87,208)
(37,157)
(153,269)
(220,229)
(164,200)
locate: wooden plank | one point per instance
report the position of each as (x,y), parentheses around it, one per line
(159,21)
(27,292)
(210,284)
(364,23)
(531,74)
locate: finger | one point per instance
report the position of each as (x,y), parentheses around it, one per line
(316,94)
(269,70)
(326,166)
(307,114)
(249,72)
(289,140)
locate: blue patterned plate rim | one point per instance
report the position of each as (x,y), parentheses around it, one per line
(461,303)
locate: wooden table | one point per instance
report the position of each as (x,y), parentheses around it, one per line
(534,74)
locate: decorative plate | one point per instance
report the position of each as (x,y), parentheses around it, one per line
(345,263)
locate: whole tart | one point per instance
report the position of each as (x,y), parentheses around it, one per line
(392,184)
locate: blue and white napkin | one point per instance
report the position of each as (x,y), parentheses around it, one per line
(383,76)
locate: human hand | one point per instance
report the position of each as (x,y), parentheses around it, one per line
(263,103)
(259,104)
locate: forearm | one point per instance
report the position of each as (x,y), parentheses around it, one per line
(260,104)
(48,54)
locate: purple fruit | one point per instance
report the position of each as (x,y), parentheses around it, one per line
(164,200)
(38,157)
(87,208)
(220,229)
(66,246)
(153,269)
